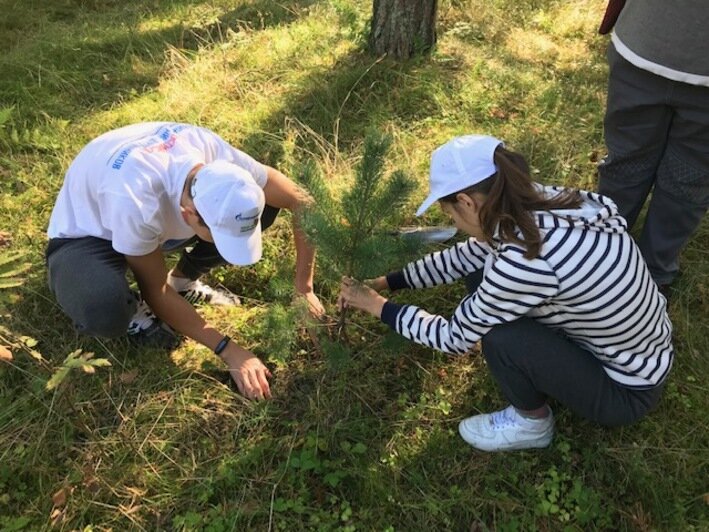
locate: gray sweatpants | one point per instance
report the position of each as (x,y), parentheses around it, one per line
(88,278)
(657,135)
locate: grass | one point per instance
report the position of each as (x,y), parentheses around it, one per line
(160,441)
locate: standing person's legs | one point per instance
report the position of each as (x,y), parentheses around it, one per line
(681,194)
(88,278)
(637,121)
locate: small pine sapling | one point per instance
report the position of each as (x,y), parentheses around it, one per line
(354,236)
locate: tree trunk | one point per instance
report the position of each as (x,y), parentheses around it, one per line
(402,28)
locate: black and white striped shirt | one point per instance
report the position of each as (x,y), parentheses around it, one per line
(589,280)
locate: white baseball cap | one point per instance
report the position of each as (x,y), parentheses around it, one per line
(458,164)
(231,203)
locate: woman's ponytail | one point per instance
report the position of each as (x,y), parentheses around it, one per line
(511,199)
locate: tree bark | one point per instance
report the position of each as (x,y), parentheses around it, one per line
(402,28)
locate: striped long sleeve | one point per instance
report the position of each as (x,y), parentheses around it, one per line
(442,267)
(511,288)
(589,281)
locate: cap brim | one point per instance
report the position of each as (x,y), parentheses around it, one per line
(240,250)
(430,200)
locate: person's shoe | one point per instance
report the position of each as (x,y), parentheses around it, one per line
(507,430)
(196,292)
(147,330)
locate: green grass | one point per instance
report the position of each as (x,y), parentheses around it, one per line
(160,441)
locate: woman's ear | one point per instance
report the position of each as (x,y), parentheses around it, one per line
(469,203)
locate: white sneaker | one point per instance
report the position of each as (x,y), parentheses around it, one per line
(507,430)
(197,292)
(146,329)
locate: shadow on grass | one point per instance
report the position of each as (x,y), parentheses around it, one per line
(73,72)
(201,450)
(340,103)
(183,438)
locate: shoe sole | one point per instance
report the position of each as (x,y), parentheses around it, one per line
(538,443)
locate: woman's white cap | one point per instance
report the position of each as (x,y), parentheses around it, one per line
(458,164)
(230,202)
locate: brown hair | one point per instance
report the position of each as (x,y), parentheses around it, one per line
(511,198)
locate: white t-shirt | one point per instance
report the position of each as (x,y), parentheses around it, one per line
(125,186)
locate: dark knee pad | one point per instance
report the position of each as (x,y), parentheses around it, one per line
(682,180)
(619,170)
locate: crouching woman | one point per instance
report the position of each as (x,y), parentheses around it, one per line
(559,296)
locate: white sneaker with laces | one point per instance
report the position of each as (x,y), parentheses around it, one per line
(143,318)
(507,430)
(146,329)
(195,291)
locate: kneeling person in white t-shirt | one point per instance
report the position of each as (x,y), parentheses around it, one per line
(138,191)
